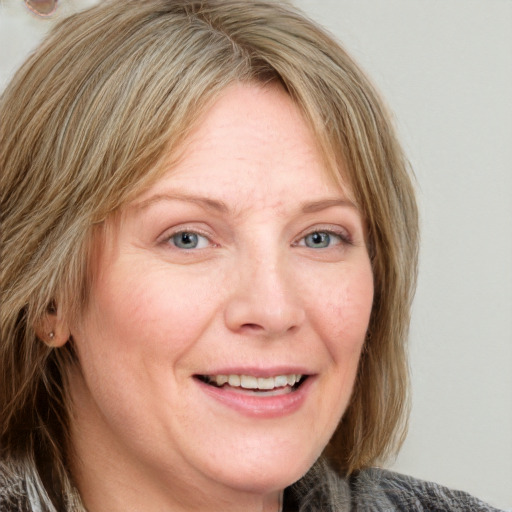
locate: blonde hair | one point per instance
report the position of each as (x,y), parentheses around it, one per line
(86,122)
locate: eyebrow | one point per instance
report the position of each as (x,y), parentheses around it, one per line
(219,206)
(316,206)
(205,202)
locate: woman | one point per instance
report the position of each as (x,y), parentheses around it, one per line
(209,253)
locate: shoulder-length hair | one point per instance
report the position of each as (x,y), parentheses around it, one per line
(86,123)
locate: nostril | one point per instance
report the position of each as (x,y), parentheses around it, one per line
(256,328)
(252,327)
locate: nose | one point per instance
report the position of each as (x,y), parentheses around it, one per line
(265,299)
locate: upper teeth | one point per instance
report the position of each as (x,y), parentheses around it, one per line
(250,382)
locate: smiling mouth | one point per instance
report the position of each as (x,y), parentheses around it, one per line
(261,385)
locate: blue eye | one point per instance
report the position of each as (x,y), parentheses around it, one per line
(321,240)
(189,240)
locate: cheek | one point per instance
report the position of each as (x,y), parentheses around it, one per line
(142,312)
(133,340)
(342,313)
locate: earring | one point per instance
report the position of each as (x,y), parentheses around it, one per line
(51,335)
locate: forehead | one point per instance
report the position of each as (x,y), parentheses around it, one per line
(252,144)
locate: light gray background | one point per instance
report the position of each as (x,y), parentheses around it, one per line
(445,68)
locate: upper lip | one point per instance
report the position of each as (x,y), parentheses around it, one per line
(253,371)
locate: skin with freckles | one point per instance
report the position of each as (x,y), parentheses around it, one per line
(243,258)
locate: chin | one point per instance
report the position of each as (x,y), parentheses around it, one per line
(261,479)
(266,470)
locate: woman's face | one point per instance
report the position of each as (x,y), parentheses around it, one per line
(241,268)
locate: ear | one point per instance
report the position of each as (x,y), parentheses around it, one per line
(53,328)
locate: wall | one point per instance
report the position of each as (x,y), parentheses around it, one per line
(446,70)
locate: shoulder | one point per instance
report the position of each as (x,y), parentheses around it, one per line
(380,490)
(375,490)
(13,494)
(21,490)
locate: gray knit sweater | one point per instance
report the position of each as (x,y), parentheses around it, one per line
(375,490)
(320,490)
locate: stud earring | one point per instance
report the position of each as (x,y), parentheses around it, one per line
(51,335)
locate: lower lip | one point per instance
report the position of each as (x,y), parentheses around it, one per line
(260,406)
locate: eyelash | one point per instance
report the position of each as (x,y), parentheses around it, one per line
(168,239)
(343,237)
